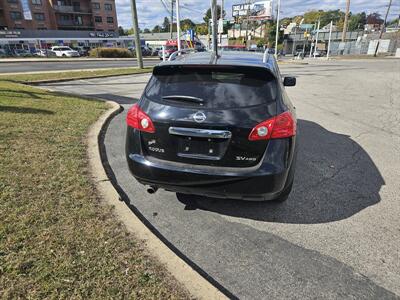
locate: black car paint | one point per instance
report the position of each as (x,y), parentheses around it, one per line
(268,177)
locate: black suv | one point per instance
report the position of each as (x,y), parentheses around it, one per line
(219,126)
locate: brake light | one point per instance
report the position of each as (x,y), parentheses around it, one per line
(281,126)
(137,119)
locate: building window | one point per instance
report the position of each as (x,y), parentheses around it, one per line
(39,17)
(16,15)
(108,6)
(37,2)
(96,5)
(64,17)
(110,20)
(78,20)
(42,28)
(12,1)
(98,19)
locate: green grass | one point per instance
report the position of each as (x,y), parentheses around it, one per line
(35,78)
(57,240)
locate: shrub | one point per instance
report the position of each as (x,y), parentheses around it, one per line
(111,53)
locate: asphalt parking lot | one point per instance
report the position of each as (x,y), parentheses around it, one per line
(338,235)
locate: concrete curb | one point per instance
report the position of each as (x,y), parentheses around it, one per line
(197,285)
(13,60)
(80,78)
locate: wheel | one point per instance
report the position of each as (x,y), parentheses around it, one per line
(64,55)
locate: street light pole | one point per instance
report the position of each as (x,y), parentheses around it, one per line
(214,26)
(346,20)
(171,25)
(316,38)
(222,20)
(329,41)
(178,25)
(137,34)
(277,28)
(383,27)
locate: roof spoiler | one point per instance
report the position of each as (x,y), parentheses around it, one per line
(176,53)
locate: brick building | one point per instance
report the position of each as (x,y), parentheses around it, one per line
(88,15)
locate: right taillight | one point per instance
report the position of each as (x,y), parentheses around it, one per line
(281,126)
(137,119)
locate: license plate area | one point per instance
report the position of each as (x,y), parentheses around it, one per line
(201,148)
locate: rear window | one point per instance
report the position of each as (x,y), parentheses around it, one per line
(220,88)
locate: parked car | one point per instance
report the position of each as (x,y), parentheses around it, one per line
(22,53)
(82,50)
(219,126)
(319,53)
(44,53)
(168,50)
(63,51)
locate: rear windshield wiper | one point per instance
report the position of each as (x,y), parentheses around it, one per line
(183,98)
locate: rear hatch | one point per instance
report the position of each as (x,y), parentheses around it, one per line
(203,115)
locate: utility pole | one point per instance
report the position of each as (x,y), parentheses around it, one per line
(383,27)
(137,34)
(221,20)
(247,21)
(171,25)
(178,26)
(312,42)
(329,41)
(277,28)
(346,20)
(316,38)
(214,26)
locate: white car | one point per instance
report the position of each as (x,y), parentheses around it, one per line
(63,51)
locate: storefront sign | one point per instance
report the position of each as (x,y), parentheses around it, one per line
(9,34)
(102,34)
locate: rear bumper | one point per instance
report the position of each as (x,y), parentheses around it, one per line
(265,181)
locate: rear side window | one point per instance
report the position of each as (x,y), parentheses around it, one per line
(220,88)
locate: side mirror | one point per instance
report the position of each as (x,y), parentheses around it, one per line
(289,81)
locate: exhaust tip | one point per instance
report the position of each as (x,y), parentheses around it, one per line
(152,189)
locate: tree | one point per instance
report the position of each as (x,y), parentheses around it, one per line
(146,30)
(201,29)
(187,24)
(166,25)
(207,17)
(312,16)
(157,29)
(121,31)
(357,21)
(374,18)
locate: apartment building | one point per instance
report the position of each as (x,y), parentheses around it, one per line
(96,15)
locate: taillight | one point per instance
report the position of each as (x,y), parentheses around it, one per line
(137,119)
(281,126)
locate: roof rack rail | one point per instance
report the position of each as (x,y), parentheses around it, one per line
(176,53)
(266,56)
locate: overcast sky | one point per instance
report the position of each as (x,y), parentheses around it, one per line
(152,12)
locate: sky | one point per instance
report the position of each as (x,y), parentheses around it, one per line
(152,12)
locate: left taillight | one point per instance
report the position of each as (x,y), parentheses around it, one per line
(281,126)
(137,119)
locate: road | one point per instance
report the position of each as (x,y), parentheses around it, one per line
(69,65)
(337,236)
